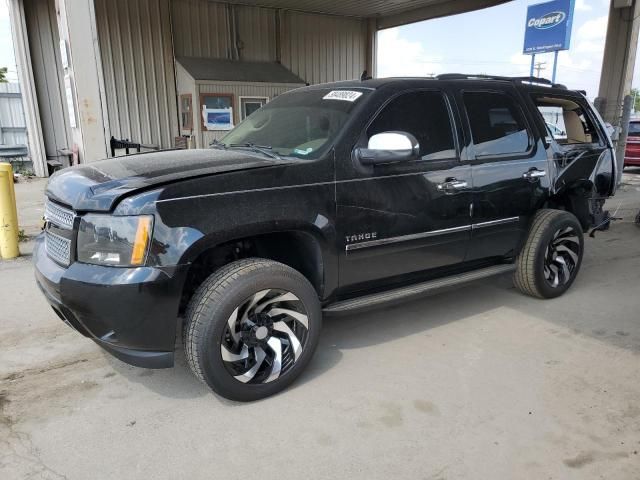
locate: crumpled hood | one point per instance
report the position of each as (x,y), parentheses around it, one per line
(98,186)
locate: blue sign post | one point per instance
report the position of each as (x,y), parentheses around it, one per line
(548,29)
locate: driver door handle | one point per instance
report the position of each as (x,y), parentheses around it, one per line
(452,184)
(533,174)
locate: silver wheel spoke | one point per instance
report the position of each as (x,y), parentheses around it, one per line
(554,273)
(228,356)
(571,238)
(293,340)
(302,318)
(232,326)
(249,374)
(276,346)
(285,297)
(254,301)
(565,269)
(572,254)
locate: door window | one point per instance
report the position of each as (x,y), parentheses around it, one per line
(566,120)
(423,114)
(497,124)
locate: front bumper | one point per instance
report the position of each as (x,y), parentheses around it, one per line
(130,312)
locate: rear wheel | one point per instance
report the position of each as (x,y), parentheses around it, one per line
(252,327)
(552,255)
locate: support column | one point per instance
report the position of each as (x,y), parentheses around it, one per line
(619,57)
(372,46)
(77,27)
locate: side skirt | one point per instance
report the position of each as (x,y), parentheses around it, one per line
(414,291)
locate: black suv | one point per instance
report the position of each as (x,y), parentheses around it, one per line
(331,198)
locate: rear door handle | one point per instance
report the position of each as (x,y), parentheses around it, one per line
(452,184)
(533,174)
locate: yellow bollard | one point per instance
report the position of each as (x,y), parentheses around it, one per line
(8,214)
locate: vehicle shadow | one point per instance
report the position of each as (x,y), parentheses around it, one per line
(355,331)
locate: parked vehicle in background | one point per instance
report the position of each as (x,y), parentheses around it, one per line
(330,199)
(632,150)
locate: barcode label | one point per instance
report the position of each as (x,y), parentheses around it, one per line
(346,95)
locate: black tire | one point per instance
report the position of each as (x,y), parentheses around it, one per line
(536,273)
(224,295)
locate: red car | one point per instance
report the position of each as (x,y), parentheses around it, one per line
(632,151)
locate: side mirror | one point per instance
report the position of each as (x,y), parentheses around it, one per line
(389,147)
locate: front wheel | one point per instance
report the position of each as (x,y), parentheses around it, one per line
(252,328)
(552,254)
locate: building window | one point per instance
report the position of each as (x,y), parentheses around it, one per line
(248,105)
(217,111)
(186,111)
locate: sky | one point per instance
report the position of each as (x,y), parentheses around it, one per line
(490,41)
(6,47)
(487,41)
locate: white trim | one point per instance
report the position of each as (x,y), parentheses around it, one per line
(249,97)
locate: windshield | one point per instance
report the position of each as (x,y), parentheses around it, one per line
(300,123)
(634,128)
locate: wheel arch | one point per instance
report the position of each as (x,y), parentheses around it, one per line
(304,249)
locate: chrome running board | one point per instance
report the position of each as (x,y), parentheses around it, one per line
(405,293)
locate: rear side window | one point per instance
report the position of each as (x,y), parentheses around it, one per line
(566,120)
(497,124)
(425,115)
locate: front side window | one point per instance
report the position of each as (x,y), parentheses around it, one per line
(566,120)
(423,114)
(302,124)
(497,124)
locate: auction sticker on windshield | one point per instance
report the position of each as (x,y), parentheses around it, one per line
(346,95)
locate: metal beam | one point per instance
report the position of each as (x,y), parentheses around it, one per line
(441,9)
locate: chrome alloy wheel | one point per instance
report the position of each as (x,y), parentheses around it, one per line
(561,257)
(264,336)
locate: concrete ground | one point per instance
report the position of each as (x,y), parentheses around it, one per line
(479,383)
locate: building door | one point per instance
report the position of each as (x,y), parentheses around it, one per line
(409,217)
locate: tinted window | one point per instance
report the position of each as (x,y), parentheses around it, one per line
(497,124)
(424,115)
(634,128)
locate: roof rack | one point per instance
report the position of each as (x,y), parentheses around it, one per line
(532,80)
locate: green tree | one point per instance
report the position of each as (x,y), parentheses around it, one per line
(635,93)
(3,75)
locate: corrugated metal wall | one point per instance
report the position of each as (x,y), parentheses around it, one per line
(257,31)
(200,29)
(321,48)
(137,62)
(42,28)
(13,126)
(318,48)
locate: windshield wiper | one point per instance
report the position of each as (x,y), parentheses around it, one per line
(264,149)
(217,144)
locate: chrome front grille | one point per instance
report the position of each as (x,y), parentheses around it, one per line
(58,248)
(58,215)
(58,232)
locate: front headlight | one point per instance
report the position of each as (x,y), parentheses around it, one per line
(116,241)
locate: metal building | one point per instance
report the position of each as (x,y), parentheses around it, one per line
(93,69)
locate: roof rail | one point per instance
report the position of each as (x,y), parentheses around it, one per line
(533,80)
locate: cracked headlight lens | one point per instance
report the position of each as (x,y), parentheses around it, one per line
(116,241)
